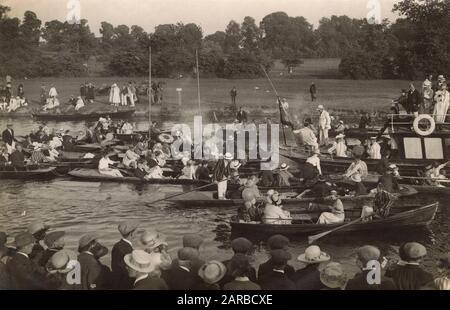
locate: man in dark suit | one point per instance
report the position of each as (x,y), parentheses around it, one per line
(39,231)
(17,158)
(5,281)
(239,246)
(92,275)
(120,274)
(24,273)
(8,138)
(277,279)
(54,242)
(180,277)
(139,264)
(413,100)
(276,242)
(241,116)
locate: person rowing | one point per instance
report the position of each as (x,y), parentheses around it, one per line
(104,166)
(357,167)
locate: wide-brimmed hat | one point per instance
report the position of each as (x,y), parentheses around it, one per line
(127,227)
(228,156)
(52,237)
(414,250)
(235,164)
(356,178)
(59,262)
(333,276)
(284,166)
(153,239)
(313,255)
(212,272)
(340,136)
(36,227)
(140,261)
(87,238)
(241,245)
(24,239)
(277,242)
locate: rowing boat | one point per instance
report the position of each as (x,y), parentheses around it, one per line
(120,114)
(94,175)
(411,218)
(209,199)
(38,174)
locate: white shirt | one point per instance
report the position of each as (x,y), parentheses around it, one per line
(374,151)
(127,241)
(325,120)
(185,268)
(26,255)
(127,129)
(307,136)
(53,92)
(315,161)
(104,163)
(145,276)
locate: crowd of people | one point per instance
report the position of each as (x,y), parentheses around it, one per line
(10,102)
(39,259)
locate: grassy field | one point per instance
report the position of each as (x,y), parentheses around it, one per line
(338,95)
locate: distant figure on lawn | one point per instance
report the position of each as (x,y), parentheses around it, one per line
(233,94)
(313,91)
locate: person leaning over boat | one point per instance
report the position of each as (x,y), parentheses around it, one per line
(389,179)
(104,166)
(273,211)
(221,174)
(365,255)
(337,214)
(433,174)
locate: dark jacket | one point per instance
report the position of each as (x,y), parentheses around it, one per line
(37,252)
(150,284)
(58,281)
(308,278)
(92,276)
(266,179)
(241,286)
(409,277)
(180,279)
(202,173)
(5,281)
(413,100)
(25,274)
(228,277)
(90,94)
(276,281)
(46,256)
(119,271)
(8,137)
(359,282)
(390,183)
(17,159)
(267,267)
(242,116)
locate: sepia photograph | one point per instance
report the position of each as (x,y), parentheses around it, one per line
(209,148)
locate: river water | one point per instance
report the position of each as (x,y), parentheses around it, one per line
(80,207)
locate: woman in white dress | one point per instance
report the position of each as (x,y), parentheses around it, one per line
(337,214)
(442,98)
(273,211)
(103,167)
(114,95)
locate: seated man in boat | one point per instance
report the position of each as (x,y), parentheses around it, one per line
(311,169)
(202,172)
(382,201)
(357,167)
(249,212)
(104,166)
(273,211)
(130,158)
(284,177)
(389,179)
(339,147)
(67,141)
(337,214)
(17,158)
(433,174)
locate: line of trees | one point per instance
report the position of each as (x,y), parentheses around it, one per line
(415,44)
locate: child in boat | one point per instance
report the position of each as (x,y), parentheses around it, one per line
(337,214)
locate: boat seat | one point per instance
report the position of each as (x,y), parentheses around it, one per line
(304,218)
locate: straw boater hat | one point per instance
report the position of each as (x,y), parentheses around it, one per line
(320,107)
(140,261)
(36,227)
(52,237)
(59,262)
(24,239)
(228,156)
(212,272)
(333,276)
(340,136)
(284,166)
(313,255)
(414,250)
(153,239)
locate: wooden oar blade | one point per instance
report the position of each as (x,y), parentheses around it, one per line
(314,238)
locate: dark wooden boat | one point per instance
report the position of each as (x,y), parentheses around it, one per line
(209,199)
(403,219)
(93,175)
(38,174)
(119,114)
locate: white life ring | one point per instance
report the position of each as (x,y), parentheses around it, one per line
(420,131)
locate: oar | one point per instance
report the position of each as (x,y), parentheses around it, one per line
(149,204)
(314,238)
